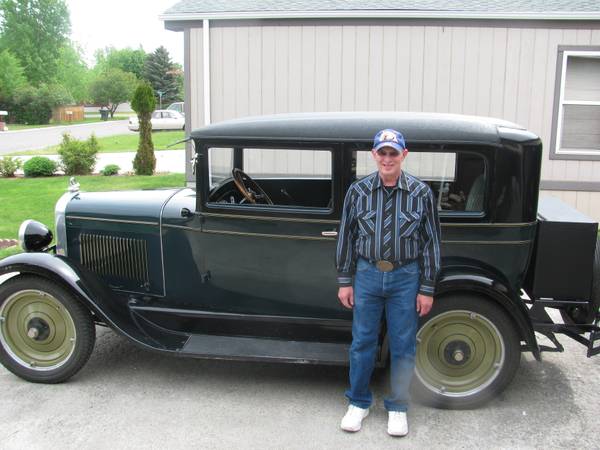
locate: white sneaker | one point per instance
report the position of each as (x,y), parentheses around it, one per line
(397,424)
(352,421)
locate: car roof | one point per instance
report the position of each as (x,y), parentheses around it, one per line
(362,126)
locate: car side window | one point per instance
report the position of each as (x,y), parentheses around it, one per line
(156,115)
(457,179)
(272,177)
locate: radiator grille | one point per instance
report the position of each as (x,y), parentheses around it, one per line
(115,256)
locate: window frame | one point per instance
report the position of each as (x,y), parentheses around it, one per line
(270,210)
(559,101)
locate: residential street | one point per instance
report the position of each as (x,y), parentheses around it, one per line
(14,141)
(129,399)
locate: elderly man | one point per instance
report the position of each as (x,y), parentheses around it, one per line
(389,242)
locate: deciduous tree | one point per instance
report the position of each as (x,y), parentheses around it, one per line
(111,88)
(11,78)
(34,31)
(73,73)
(126,59)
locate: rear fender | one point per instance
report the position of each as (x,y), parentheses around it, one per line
(475,280)
(88,288)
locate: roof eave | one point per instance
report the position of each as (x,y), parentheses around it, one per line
(380,14)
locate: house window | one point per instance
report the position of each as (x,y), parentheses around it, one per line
(577,132)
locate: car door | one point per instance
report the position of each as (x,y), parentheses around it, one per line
(273,259)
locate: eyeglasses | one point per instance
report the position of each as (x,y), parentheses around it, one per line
(393,153)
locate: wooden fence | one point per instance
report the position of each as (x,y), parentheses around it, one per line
(67,113)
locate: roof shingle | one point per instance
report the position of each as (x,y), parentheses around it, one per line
(481,6)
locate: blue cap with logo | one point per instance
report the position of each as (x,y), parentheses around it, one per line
(389,138)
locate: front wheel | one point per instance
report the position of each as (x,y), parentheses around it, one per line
(468,351)
(46,334)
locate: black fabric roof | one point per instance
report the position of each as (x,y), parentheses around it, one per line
(362,126)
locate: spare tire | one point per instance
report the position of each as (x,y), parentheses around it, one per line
(579,315)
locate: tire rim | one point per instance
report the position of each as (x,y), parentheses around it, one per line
(459,353)
(36,330)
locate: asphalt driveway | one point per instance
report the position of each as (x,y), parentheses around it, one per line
(127,398)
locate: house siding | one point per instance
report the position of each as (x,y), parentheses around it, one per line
(497,68)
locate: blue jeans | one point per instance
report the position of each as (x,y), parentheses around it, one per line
(395,293)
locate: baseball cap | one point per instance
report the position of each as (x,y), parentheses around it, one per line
(389,138)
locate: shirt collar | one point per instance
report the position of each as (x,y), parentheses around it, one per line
(401,184)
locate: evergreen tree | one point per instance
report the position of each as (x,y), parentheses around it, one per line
(143,103)
(163,75)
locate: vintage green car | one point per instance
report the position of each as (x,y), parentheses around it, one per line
(242,266)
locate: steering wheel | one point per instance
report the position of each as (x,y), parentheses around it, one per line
(249,188)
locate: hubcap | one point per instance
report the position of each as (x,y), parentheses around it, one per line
(459,353)
(37,331)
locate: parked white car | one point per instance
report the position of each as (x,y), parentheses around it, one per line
(161,120)
(177,106)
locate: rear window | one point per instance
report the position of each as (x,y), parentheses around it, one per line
(457,179)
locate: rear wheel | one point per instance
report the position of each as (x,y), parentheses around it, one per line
(468,351)
(46,335)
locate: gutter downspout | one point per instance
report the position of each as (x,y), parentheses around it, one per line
(206,69)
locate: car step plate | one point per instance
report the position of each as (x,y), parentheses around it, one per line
(248,348)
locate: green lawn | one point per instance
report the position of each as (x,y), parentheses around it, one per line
(4,252)
(18,126)
(122,143)
(34,198)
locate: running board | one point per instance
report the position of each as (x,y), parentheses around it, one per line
(260,349)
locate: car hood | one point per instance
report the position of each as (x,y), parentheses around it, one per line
(137,206)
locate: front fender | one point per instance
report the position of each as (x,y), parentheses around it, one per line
(90,290)
(474,279)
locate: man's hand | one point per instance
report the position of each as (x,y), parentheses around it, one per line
(424,304)
(346,296)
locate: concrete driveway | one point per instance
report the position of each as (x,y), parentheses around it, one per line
(127,398)
(14,141)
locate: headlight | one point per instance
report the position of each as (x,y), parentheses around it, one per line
(34,236)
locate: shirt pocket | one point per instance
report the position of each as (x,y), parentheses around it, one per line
(366,222)
(408,223)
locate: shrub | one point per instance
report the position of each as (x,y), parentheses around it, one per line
(143,103)
(33,105)
(111,169)
(8,166)
(39,166)
(78,157)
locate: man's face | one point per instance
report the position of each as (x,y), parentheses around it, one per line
(389,161)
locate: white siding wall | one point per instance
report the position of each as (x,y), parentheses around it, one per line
(293,66)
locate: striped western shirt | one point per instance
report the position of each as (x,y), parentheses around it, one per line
(415,230)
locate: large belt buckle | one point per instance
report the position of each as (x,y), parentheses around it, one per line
(384,266)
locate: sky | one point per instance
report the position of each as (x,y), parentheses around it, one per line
(123,23)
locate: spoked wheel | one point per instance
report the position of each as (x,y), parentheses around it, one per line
(46,335)
(468,351)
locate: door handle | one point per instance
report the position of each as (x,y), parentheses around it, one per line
(329,233)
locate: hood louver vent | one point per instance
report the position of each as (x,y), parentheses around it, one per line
(117,257)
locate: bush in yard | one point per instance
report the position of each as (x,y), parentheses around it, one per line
(39,166)
(78,157)
(33,105)
(111,169)
(8,166)
(143,103)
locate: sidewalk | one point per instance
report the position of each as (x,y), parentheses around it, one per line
(166,161)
